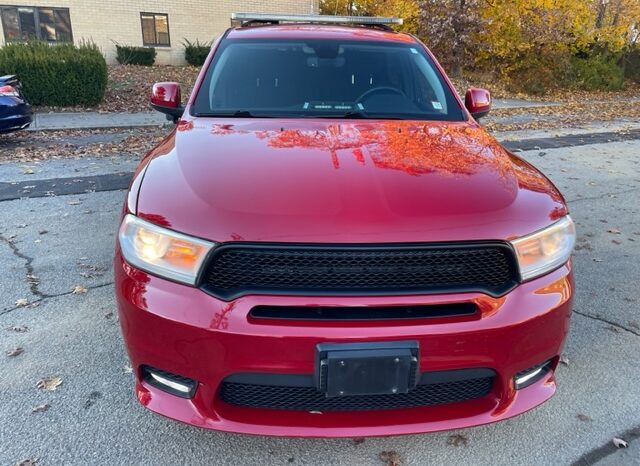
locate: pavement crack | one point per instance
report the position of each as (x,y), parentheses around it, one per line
(30,275)
(602,196)
(608,449)
(610,322)
(52,296)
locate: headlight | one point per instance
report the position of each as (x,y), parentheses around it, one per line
(545,250)
(160,251)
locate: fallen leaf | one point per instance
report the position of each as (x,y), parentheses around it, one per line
(564,360)
(584,417)
(19,328)
(79,289)
(391,458)
(28,462)
(614,231)
(457,440)
(22,302)
(128,370)
(108,315)
(17,351)
(49,383)
(619,443)
(28,171)
(40,408)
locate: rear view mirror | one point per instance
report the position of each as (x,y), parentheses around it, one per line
(166,98)
(478,102)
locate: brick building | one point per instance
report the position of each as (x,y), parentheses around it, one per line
(163,24)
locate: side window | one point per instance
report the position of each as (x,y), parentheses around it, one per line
(155,29)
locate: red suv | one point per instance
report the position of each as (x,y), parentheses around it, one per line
(328,244)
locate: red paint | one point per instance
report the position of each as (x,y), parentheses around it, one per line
(477,101)
(166,95)
(338,181)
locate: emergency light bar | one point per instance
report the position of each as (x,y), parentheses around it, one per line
(323,19)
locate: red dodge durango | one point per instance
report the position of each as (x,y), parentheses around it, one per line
(329,245)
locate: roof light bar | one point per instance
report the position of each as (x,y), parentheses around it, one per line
(324,19)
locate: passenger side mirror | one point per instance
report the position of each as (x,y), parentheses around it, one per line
(166,98)
(478,102)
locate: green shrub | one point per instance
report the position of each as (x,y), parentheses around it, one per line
(196,53)
(57,75)
(596,73)
(631,63)
(538,74)
(128,55)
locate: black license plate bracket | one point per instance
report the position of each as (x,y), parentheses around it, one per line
(380,368)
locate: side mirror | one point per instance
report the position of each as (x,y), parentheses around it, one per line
(478,102)
(166,98)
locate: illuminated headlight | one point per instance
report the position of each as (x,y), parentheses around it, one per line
(545,250)
(161,251)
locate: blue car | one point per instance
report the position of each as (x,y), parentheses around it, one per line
(15,111)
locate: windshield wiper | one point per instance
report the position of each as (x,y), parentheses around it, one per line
(234,114)
(355,115)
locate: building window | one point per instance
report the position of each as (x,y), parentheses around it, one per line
(155,29)
(28,23)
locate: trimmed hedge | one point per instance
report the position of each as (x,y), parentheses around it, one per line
(57,75)
(196,53)
(128,55)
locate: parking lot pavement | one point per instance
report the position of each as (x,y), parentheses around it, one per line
(51,245)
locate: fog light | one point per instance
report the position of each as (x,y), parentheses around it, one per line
(170,383)
(533,374)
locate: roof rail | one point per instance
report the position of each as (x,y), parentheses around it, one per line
(250,19)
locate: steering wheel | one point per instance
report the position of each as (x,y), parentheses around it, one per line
(379,89)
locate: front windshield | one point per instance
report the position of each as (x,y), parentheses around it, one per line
(324,78)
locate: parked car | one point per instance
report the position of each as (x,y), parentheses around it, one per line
(329,244)
(15,111)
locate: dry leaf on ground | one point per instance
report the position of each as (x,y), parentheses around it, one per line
(19,328)
(390,458)
(28,462)
(79,289)
(49,383)
(620,443)
(40,408)
(15,352)
(22,302)
(457,440)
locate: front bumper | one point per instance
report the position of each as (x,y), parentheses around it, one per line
(185,331)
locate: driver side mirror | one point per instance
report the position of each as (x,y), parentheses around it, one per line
(478,102)
(166,98)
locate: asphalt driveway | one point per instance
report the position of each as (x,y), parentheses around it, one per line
(57,304)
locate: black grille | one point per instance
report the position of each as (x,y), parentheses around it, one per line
(308,398)
(238,269)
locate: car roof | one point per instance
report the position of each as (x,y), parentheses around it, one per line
(318,31)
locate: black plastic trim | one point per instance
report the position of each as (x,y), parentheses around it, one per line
(307,380)
(366,313)
(229,296)
(146,376)
(546,368)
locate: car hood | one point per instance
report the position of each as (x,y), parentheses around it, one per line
(343,181)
